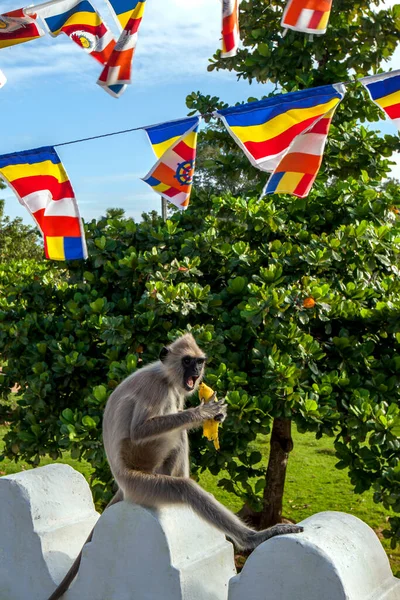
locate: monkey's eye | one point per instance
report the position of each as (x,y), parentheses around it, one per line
(187,360)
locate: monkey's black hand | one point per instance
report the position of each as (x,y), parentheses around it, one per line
(213,410)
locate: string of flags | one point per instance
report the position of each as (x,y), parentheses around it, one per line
(83,24)
(284,135)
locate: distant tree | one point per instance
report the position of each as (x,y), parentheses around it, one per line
(17,241)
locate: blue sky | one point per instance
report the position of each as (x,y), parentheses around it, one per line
(51,96)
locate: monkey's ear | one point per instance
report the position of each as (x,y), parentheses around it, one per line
(163,354)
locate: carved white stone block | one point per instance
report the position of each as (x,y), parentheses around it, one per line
(142,554)
(136,553)
(337,557)
(46,515)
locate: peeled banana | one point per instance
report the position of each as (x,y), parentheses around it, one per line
(210,427)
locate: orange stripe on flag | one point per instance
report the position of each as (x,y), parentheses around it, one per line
(167,176)
(298,162)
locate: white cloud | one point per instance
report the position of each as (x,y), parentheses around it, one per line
(176,39)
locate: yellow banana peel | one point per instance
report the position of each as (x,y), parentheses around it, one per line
(210,427)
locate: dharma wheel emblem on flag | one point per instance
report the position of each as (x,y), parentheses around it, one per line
(84,39)
(184,172)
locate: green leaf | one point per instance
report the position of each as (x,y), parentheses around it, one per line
(88,422)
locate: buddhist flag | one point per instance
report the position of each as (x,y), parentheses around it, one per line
(17,27)
(117,71)
(3,79)
(230,27)
(122,11)
(307,16)
(299,167)
(266,129)
(384,90)
(41,184)
(174,144)
(80,21)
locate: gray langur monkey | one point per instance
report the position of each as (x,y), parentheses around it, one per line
(145,427)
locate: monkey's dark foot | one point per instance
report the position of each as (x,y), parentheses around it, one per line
(259,537)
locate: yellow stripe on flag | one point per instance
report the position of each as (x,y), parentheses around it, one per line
(159,149)
(289,182)
(279,124)
(13,172)
(123,18)
(324,21)
(7,43)
(161,187)
(82,18)
(190,140)
(55,248)
(389,100)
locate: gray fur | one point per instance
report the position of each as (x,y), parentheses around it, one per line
(145,438)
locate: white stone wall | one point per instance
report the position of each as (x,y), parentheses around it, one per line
(47,513)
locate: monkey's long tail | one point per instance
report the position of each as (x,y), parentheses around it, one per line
(72,573)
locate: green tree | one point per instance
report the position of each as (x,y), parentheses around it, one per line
(358,40)
(17,241)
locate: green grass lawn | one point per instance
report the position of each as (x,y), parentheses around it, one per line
(312,485)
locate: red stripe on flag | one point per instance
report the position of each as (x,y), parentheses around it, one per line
(185,151)
(99,30)
(304,185)
(28,31)
(133,25)
(393,111)
(315,19)
(322,126)
(35,183)
(229,22)
(171,192)
(229,40)
(58,226)
(279,143)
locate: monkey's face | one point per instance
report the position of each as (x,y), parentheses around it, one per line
(193,370)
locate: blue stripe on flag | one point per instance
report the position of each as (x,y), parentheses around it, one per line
(56,22)
(273,182)
(152,181)
(166,131)
(116,88)
(257,113)
(73,248)
(379,89)
(123,6)
(30,157)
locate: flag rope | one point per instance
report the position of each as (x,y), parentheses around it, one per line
(208,114)
(104,135)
